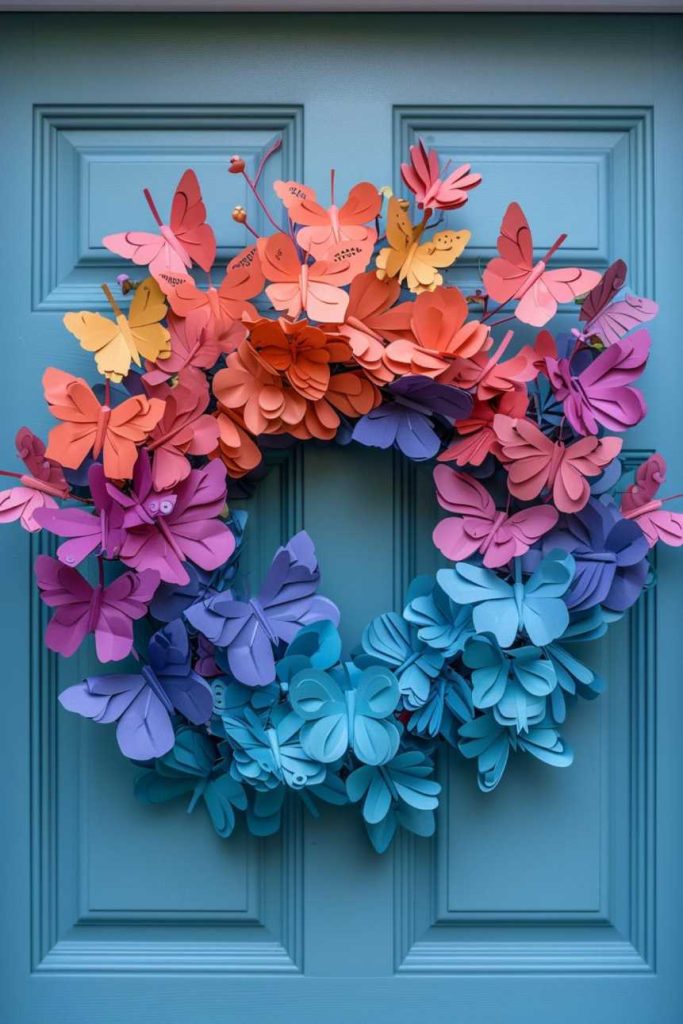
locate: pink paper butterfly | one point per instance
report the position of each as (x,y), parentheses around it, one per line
(639,503)
(514,275)
(101,530)
(479,526)
(611,320)
(36,489)
(601,395)
(187,238)
(323,229)
(431,191)
(107,611)
(299,287)
(184,429)
(536,464)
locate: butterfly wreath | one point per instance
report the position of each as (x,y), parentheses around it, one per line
(342,323)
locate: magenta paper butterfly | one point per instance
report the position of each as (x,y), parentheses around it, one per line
(479,526)
(107,611)
(100,531)
(639,503)
(602,395)
(611,320)
(37,489)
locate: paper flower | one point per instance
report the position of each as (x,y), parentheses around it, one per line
(300,351)
(491,743)
(515,682)
(400,793)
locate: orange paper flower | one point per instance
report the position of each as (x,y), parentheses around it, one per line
(235,447)
(440,333)
(266,401)
(299,350)
(371,321)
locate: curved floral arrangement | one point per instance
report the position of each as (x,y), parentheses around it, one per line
(234,696)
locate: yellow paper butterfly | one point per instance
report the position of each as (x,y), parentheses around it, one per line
(117,343)
(417,264)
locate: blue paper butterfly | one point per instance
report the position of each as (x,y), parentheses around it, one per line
(268,753)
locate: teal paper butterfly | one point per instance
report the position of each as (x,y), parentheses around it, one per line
(347,708)
(267,753)
(534,607)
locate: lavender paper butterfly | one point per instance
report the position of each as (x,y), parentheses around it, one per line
(406,421)
(143,704)
(249,630)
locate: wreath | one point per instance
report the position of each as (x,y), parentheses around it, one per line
(234,696)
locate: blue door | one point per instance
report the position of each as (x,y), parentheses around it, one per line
(558,897)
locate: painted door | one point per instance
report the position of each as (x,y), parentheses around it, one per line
(558,897)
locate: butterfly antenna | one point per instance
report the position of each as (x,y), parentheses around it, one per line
(111,300)
(554,247)
(332,187)
(150,202)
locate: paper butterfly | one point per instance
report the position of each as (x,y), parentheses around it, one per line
(489,376)
(191,768)
(36,489)
(514,275)
(249,629)
(218,312)
(143,704)
(394,642)
(90,427)
(165,529)
(339,716)
(265,755)
(608,319)
(602,395)
(117,343)
(535,463)
(184,429)
(432,192)
(373,318)
(411,260)
(640,503)
(191,350)
(406,421)
(324,229)
(479,526)
(297,287)
(187,238)
(479,440)
(101,531)
(534,607)
(490,742)
(107,611)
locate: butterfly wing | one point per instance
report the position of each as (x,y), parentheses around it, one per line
(650,476)
(129,425)
(527,454)
(518,533)
(605,392)
(105,338)
(621,317)
(319,700)
(142,247)
(545,615)
(375,734)
(507,273)
(602,293)
(188,222)
(585,458)
(399,232)
(420,268)
(281,266)
(539,303)
(151,339)
(495,608)
(123,601)
(65,590)
(458,538)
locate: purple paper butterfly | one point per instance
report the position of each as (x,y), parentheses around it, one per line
(611,320)
(248,630)
(100,531)
(406,420)
(143,704)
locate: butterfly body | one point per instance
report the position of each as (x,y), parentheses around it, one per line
(297,287)
(326,228)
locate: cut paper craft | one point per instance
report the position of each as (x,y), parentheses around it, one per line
(406,423)
(107,611)
(193,768)
(37,489)
(640,503)
(323,229)
(314,289)
(185,429)
(433,190)
(266,756)
(370,321)
(536,464)
(339,713)
(409,259)
(143,704)
(438,323)
(534,607)
(513,275)
(88,427)
(100,531)
(479,526)
(117,343)
(490,743)
(609,318)
(191,349)
(603,395)
(217,313)
(515,683)
(390,640)
(165,529)
(479,439)
(187,239)
(489,376)
(247,630)
(300,351)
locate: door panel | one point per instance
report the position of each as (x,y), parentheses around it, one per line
(557,896)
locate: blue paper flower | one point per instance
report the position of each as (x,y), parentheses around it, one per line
(447,707)
(400,793)
(490,743)
(515,682)
(194,767)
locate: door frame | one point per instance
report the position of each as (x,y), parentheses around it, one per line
(352,6)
